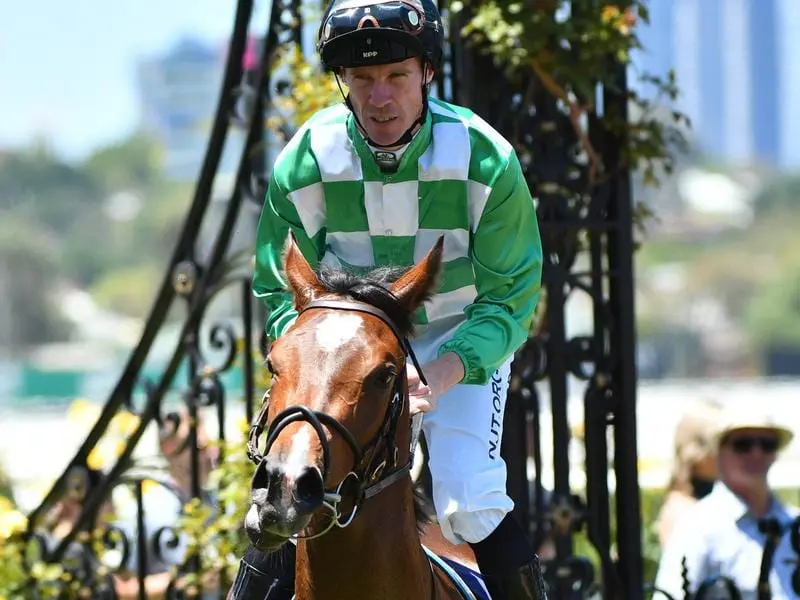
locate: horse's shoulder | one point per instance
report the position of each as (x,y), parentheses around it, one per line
(433,539)
(458,570)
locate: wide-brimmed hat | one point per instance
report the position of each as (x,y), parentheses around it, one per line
(752,417)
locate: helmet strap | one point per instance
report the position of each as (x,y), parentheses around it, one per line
(384,162)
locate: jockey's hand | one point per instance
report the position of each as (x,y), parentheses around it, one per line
(441,374)
(420,396)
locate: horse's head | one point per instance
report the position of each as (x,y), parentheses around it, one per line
(337,407)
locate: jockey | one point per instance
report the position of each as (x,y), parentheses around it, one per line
(376,181)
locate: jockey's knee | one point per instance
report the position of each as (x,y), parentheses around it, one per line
(469,506)
(473,527)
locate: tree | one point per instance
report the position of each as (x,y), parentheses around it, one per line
(779,195)
(773,316)
(571,48)
(133,163)
(28,269)
(37,186)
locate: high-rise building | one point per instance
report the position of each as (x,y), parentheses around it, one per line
(734,67)
(764,89)
(737,122)
(713,104)
(178,97)
(788,49)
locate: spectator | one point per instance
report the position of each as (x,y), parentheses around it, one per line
(163,504)
(78,558)
(720,536)
(694,466)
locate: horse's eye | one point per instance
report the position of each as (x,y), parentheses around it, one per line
(270,367)
(385,376)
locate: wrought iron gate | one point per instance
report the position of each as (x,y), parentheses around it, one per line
(587,236)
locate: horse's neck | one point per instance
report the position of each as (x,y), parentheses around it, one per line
(378,556)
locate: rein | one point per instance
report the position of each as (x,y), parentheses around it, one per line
(369,475)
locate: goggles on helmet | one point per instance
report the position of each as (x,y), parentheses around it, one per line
(365,32)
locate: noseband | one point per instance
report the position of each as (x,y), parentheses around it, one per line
(375,465)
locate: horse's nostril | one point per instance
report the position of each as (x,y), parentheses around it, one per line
(309,490)
(261,476)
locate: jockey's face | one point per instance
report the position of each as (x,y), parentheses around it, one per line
(387,99)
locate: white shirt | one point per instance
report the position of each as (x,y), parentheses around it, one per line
(719,536)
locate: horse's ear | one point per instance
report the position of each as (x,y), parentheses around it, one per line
(303,281)
(418,283)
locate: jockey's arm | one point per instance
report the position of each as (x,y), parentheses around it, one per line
(506,257)
(278,217)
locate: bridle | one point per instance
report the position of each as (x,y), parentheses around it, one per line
(375,465)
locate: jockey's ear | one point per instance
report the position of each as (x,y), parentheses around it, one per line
(419,282)
(304,283)
(428,72)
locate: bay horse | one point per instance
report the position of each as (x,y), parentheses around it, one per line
(334,473)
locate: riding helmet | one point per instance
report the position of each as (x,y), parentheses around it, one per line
(356,33)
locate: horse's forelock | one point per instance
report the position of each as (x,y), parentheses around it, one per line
(371,288)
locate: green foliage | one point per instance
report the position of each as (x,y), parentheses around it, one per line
(311,90)
(216,535)
(131,164)
(128,290)
(780,195)
(37,186)
(651,501)
(752,272)
(570,54)
(107,224)
(773,317)
(28,269)
(12,564)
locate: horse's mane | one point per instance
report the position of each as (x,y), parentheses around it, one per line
(423,507)
(371,288)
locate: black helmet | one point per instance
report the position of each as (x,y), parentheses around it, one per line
(357,33)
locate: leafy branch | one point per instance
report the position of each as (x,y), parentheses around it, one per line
(573,50)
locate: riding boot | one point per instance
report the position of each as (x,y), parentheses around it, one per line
(523,583)
(509,566)
(264,576)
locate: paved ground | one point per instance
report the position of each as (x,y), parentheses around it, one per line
(36,445)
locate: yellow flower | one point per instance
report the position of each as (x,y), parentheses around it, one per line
(119,447)
(610,13)
(12,522)
(82,410)
(125,423)
(95,460)
(621,21)
(148,485)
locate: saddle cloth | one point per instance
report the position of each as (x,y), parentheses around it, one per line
(469,582)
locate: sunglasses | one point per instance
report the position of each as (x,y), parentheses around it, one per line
(745,443)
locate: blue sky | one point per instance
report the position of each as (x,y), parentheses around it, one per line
(67,67)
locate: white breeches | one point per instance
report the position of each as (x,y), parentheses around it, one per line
(469,476)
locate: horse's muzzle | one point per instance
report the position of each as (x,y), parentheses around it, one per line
(281,503)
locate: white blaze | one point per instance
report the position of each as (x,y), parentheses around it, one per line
(298,458)
(337,329)
(333,331)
